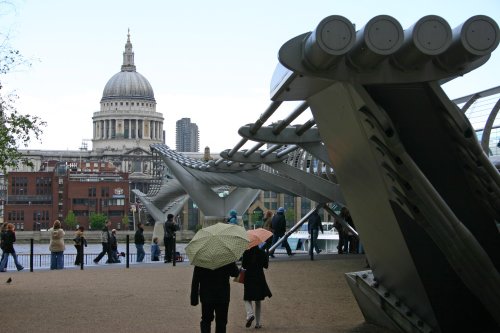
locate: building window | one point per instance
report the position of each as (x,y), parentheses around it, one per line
(43,185)
(19,185)
(105,192)
(15,215)
(92,192)
(115,213)
(80,201)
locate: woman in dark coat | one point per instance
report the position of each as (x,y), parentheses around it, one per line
(255,285)
(8,238)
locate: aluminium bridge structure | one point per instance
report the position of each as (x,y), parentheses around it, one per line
(385,140)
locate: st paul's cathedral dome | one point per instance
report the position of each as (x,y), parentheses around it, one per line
(128,119)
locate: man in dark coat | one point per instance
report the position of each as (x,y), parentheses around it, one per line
(169,229)
(313,227)
(212,289)
(139,242)
(279,228)
(106,249)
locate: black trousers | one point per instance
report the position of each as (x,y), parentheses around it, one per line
(79,254)
(284,243)
(169,248)
(207,316)
(105,250)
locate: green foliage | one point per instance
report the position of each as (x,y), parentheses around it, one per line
(125,222)
(197,227)
(257,218)
(15,128)
(97,221)
(71,220)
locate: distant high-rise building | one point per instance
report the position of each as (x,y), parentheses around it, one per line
(187,138)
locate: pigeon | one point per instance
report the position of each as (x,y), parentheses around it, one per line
(9,280)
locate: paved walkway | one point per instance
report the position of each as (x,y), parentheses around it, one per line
(308,296)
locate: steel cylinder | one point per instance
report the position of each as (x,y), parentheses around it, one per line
(475,38)
(329,42)
(428,37)
(379,38)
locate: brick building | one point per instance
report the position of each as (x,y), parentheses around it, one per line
(35,199)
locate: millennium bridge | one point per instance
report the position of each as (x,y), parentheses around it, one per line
(385,141)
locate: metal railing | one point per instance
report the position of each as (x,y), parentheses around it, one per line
(33,260)
(42,261)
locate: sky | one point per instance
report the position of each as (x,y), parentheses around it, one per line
(211,61)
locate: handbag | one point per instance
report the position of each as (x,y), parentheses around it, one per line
(241,277)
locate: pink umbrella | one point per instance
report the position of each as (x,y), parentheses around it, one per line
(257,236)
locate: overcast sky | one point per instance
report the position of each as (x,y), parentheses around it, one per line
(211,61)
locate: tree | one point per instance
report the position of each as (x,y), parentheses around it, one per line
(71,220)
(290,217)
(15,128)
(97,221)
(257,217)
(125,221)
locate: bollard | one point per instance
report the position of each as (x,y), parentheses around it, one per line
(311,245)
(128,252)
(173,250)
(31,255)
(83,242)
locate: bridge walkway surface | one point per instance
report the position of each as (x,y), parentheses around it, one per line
(308,296)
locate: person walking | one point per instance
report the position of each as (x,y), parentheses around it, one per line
(313,227)
(8,238)
(267,224)
(279,228)
(255,286)
(169,229)
(233,217)
(3,233)
(139,242)
(80,242)
(113,247)
(105,237)
(347,240)
(211,288)
(56,246)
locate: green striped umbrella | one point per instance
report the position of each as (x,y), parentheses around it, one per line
(217,245)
